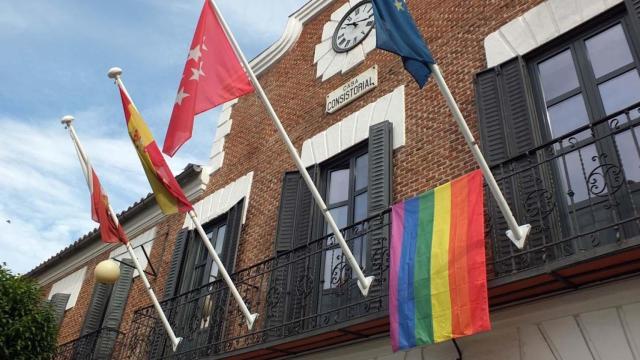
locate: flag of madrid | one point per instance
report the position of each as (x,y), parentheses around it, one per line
(212,76)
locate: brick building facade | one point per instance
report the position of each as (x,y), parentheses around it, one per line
(569,293)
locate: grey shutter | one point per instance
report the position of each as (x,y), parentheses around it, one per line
(59,304)
(633,7)
(171,284)
(379,197)
(508,128)
(159,343)
(295,219)
(232,236)
(115,309)
(287,211)
(97,308)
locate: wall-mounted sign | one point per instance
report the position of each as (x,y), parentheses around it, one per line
(352,90)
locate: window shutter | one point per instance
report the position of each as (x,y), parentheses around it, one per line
(171,284)
(97,308)
(115,309)
(380,197)
(232,236)
(633,7)
(287,211)
(285,299)
(508,128)
(59,304)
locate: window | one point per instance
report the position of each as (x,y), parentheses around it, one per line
(198,266)
(347,184)
(592,76)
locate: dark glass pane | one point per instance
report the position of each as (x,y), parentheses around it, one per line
(340,216)
(608,51)
(558,75)
(629,150)
(620,92)
(219,242)
(567,115)
(334,261)
(338,186)
(576,172)
(360,210)
(362,171)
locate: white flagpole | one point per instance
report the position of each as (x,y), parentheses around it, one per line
(114,73)
(84,162)
(249,317)
(363,282)
(517,234)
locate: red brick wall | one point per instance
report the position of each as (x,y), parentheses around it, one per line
(434,153)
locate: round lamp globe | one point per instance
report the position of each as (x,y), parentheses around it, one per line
(107,272)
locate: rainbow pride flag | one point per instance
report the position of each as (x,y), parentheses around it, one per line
(437,280)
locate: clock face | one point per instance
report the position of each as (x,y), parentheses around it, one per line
(354,27)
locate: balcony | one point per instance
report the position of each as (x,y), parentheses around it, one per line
(581,194)
(301,305)
(98,345)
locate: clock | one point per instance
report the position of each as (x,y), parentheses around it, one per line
(347,37)
(354,27)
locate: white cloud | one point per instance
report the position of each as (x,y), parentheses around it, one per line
(43,191)
(60,52)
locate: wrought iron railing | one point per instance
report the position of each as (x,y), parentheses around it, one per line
(292,292)
(580,192)
(103,344)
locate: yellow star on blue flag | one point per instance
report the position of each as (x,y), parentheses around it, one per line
(396,32)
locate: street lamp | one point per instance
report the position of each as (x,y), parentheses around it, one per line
(107,272)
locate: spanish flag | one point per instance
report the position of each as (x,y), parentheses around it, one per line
(168,193)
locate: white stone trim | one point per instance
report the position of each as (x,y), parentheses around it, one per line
(216,157)
(70,284)
(601,323)
(355,128)
(539,25)
(143,240)
(222,201)
(328,62)
(291,34)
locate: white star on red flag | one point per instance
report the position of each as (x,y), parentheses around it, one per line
(181,95)
(195,53)
(225,78)
(197,72)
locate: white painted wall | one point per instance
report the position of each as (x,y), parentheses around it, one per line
(355,128)
(70,284)
(600,323)
(539,25)
(143,240)
(222,201)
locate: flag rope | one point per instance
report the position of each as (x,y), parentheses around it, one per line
(364,283)
(85,164)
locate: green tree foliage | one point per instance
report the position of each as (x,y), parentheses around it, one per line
(27,324)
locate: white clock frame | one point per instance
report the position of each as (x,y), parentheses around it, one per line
(328,62)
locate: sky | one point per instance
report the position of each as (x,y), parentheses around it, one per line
(55,58)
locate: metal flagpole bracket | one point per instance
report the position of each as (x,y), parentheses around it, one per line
(251,320)
(524,232)
(364,288)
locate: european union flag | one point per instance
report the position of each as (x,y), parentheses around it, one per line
(396,31)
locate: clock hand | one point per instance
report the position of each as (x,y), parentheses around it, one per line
(355,23)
